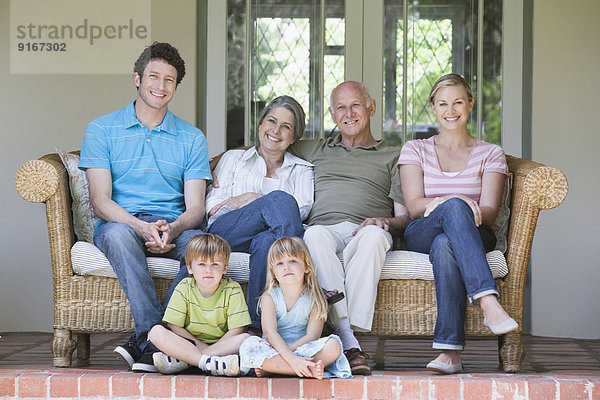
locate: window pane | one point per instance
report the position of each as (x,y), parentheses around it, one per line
(236,72)
(333,64)
(335,29)
(441,38)
(492,72)
(282,59)
(430,56)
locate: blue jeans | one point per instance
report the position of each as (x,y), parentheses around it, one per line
(457,250)
(126,252)
(253,229)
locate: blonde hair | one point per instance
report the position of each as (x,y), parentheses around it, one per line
(207,247)
(450,80)
(295,247)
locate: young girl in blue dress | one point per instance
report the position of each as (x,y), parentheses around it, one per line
(293,310)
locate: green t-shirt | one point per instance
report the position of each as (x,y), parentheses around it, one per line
(207,318)
(351,185)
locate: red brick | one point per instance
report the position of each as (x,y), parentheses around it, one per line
(316,389)
(190,386)
(408,374)
(156,385)
(64,385)
(573,390)
(32,385)
(474,389)
(413,389)
(94,385)
(348,388)
(66,371)
(221,387)
(381,387)
(19,371)
(254,388)
(595,389)
(126,384)
(7,384)
(542,389)
(285,388)
(508,387)
(445,388)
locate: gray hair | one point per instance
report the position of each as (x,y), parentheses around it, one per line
(290,104)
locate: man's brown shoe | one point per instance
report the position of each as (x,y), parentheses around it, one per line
(358,361)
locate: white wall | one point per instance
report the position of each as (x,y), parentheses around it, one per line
(42,112)
(566,134)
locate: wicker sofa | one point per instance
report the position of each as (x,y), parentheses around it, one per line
(95,304)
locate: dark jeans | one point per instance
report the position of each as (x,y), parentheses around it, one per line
(253,229)
(127,253)
(457,250)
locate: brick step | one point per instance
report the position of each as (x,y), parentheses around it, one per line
(80,383)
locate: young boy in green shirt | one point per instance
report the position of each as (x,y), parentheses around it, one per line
(206,315)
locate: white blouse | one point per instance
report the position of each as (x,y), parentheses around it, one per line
(243,171)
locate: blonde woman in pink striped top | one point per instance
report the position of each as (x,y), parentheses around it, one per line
(452,185)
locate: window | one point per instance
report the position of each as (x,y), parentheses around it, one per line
(298,48)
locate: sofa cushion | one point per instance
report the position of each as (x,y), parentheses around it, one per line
(84,219)
(87,259)
(500,226)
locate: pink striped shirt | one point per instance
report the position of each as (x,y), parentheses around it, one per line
(485,157)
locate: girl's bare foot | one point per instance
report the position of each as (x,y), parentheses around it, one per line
(318,370)
(261,372)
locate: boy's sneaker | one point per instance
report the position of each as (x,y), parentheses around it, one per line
(167,364)
(224,365)
(145,362)
(129,353)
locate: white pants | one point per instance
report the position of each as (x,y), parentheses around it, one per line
(363,257)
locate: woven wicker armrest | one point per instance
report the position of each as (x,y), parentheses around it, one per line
(45,180)
(535,187)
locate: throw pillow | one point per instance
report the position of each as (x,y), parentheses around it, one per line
(84,219)
(500,227)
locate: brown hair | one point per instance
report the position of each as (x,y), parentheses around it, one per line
(207,246)
(163,52)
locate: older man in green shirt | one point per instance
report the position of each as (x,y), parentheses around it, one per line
(358,207)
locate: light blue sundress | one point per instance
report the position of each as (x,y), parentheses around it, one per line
(291,325)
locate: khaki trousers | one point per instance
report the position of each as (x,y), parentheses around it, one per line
(363,255)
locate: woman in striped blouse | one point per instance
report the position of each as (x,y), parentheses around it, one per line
(452,185)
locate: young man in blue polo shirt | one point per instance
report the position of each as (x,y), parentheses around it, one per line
(147,171)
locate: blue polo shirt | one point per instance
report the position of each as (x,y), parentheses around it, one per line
(148,168)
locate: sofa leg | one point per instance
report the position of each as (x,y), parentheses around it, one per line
(83,346)
(511,352)
(62,348)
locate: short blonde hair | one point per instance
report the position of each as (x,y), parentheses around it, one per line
(450,80)
(295,247)
(207,247)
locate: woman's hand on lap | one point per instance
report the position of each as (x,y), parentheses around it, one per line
(235,202)
(477,216)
